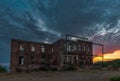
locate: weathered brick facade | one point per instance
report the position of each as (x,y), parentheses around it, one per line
(78,53)
(27,55)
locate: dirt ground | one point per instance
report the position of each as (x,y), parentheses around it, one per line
(83,75)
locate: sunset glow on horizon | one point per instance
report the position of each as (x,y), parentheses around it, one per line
(107,56)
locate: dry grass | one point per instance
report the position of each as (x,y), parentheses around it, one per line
(83,75)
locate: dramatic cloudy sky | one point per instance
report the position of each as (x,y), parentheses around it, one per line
(49,20)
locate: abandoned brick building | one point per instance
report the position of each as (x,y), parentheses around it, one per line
(31,55)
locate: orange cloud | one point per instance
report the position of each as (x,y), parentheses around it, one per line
(108,56)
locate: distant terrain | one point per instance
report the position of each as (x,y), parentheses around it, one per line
(112,64)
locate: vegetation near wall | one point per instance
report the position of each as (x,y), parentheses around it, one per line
(2,69)
(115,78)
(114,64)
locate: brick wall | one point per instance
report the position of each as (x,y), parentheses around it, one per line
(28,55)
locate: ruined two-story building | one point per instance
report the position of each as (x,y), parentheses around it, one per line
(28,55)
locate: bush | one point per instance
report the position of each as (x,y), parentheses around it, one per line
(115,78)
(43,69)
(71,67)
(113,63)
(54,69)
(2,69)
(103,64)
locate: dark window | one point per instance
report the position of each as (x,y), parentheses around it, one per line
(64,48)
(21,48)
(84,48)
(69,47)
(43,55)
(52,49)
(89,49)
(74,48)
(32,48)
(79,47)
(65,59)
(21,60)
(75,60)
(70,59)
(42,48)
(32,60)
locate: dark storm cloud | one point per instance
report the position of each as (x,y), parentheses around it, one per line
(82,15)
(97,19)
(25,21)
(48,20)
